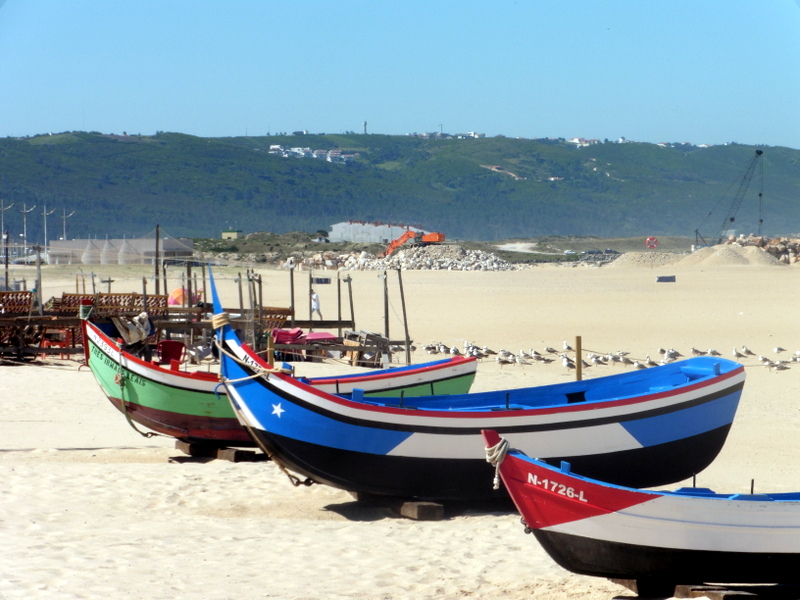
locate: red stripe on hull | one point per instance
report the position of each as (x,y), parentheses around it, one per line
(188,428)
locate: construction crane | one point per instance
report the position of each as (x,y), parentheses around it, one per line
(730,217)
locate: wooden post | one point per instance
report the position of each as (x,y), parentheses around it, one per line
(38,250)
(291,294)
(252,321)
(310,287)
(260,298)
(144,294)
(385,305)
(188,294)
(241,300)
(339,302)
(578,359)
(203,275)
(405,317)
(349,281)
(155,262)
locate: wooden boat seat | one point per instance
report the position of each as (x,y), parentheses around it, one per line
(170,350)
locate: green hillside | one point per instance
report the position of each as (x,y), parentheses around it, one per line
(481,189)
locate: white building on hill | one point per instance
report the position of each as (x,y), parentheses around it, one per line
(117,251)
(363,232)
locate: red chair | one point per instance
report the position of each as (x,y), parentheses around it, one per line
(170,351)
(62,340)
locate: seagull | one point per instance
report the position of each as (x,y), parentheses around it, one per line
(780,367)
(567,347)
(778,350)
(521,361)
(550,350)
(712,352)
(737,354)
(649,362)
(696,352)
(504,361)
(747,351)
(638,365)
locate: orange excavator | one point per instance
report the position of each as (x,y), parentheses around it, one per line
(416,238)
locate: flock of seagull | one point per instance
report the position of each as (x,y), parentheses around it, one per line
(567,356)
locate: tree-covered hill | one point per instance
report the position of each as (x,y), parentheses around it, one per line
(481,189)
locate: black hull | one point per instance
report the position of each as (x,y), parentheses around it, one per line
(471,479)
(663,568)
(652,466)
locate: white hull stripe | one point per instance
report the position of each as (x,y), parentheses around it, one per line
(697,524)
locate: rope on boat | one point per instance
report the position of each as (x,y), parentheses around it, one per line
(120,381)
(495,456)
(218,321)
(293,479)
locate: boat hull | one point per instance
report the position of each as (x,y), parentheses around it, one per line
(465,478)
(194,407)
(666,567)
(658,539)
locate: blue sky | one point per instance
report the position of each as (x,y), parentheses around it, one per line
(698,71)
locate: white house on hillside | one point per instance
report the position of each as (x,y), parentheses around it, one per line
(364,232)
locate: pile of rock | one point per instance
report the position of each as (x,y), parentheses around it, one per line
(785,250)
(447,257)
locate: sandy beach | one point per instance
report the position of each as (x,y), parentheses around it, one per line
(90,509)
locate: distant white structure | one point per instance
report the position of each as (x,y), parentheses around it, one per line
(117,251)
(363,232)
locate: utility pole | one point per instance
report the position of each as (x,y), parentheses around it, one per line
(3,210)
(25,211)
(46,245)
(64,218)
(5,257)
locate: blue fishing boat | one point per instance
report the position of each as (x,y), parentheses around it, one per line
(639,428)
